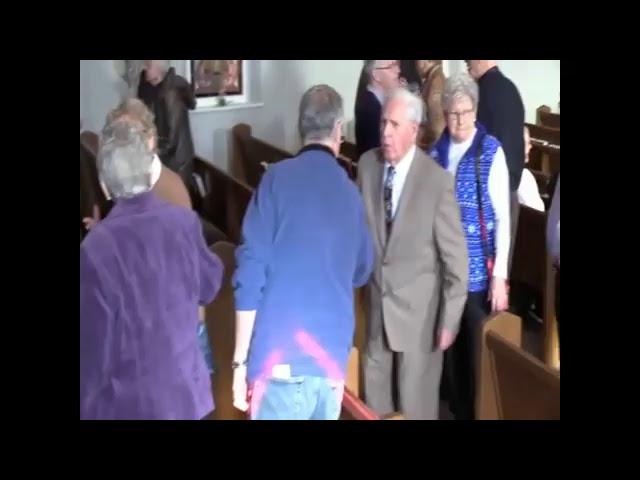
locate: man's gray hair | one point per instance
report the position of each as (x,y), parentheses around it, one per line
(125,158)
(320,109)
(457,86)
(415,106)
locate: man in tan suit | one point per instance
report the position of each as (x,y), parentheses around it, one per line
(418,289)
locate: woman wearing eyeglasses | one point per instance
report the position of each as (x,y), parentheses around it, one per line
(477,161)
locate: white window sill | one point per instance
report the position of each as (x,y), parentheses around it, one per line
(226,108)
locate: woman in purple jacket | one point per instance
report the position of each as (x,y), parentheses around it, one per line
(144,270)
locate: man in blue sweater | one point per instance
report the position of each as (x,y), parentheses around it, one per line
(306,247)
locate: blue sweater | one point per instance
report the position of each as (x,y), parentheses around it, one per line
(467,196)
(306,246)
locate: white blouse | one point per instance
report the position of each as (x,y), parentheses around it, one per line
(528,193)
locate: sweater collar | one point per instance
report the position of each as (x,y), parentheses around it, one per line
(317,147)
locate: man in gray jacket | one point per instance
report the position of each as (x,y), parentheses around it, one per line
(418,289)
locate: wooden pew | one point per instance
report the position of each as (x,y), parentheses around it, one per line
(224,200)
(549,119)
(541,109)
(249,154)
(349,150)
(509,326)
(90,190)
(544,158)
(220,319)
(540,134)
(513,384)
(532,267)
(91,141)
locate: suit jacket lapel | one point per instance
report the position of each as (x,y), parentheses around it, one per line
(378,200)
(407,196)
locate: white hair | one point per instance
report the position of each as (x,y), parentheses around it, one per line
(457,86)
(415,106)
(125,158)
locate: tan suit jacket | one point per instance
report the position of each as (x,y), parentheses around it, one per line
(421,273)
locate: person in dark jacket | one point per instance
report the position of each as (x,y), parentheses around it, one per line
(501,112)
(382,77)
(411,75)
(170,97)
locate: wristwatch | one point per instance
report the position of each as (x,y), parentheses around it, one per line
(235,365)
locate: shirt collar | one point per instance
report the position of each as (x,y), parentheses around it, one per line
(488,73)
(317,147)
(404,164)
(379,94)
(156,170)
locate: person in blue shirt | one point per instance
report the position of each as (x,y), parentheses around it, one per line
(306,246)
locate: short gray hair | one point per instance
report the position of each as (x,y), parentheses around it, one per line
(415,106)
(459,85)
(320,109)
(125,158)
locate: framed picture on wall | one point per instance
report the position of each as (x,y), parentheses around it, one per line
(214,80)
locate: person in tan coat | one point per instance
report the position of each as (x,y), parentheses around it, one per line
(432,86)
(416,295)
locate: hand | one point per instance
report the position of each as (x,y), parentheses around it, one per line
(445,339)
(240,388)
(498,295)
(90,222)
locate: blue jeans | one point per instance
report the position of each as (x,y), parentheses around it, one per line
(205,348)
(297,398)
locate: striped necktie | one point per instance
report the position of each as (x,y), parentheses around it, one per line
(388,195)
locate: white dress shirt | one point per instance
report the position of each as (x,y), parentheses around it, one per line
(402,169)
(500,199)
(156,169)
(528,193)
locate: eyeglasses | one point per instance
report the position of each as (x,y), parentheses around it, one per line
(395,64)
(459,115)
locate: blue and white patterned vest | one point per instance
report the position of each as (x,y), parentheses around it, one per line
(467,196)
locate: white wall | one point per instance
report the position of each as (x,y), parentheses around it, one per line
(279,84)
(537,80)
(100,91)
